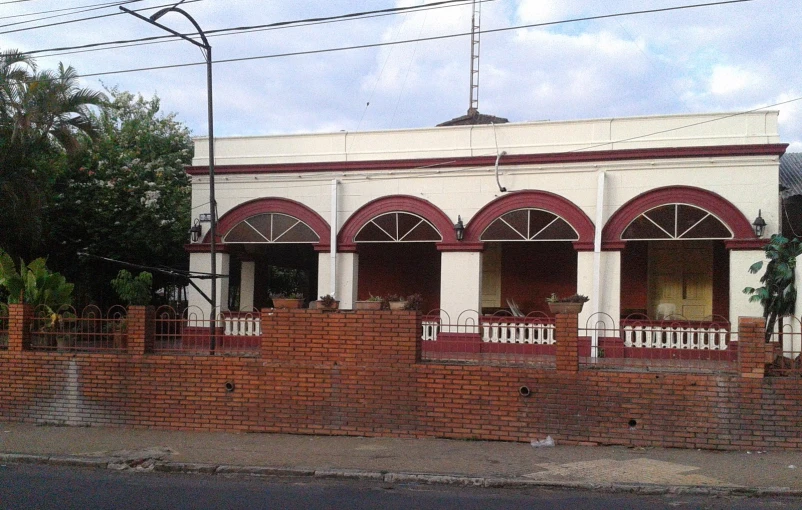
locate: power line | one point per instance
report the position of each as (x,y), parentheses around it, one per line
(89,8)
(85,19)
(407,41)
(50,11)
(258,28)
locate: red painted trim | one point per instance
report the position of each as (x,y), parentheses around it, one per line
(205,247)
(777,149)
(396,203)
(704,199)
(746,244)
(461,246)
(530,199)
(275,205)
(584,245)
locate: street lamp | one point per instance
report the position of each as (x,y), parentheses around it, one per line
(206,49)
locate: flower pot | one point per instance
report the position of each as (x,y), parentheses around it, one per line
(368,305)
(320,306)
(565,307)
(287,303)
(63,343)
(398,305)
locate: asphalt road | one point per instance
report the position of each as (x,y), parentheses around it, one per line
(26,486)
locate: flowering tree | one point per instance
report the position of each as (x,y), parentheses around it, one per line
(126,197)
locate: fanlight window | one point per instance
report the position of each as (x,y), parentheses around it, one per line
(271,228)
(529,225)
(397,227)
(676,221)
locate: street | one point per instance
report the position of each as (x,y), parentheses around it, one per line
(26,486)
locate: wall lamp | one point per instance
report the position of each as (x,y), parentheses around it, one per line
(459,229)
(759,224)
(195,231)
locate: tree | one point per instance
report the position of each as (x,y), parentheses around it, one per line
(126,196)
(43,115)
(778,293)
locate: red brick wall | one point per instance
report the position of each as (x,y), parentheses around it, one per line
(357,373)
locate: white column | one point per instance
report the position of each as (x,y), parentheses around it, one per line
(201,262)
(347,277)
(609,301)
(740,277)
(460,283)
(247,284)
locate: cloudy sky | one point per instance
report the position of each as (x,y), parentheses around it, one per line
(723,58)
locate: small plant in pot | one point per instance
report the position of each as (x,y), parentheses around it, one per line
(396,302)
(327,302)
(293,300)
(372,303)
(414,302)
(570,304)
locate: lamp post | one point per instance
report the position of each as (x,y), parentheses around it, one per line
(206,49)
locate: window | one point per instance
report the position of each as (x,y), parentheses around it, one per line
(397,227)
(676,221)
(529,225)
(271,228)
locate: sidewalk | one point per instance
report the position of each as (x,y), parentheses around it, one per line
(652,470)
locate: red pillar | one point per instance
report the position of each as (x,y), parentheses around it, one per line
(567,337)
(141,329)
(20,318)
(752,347)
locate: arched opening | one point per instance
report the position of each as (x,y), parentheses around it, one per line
(675,258)
(530,241)
(272,245)
(398,240)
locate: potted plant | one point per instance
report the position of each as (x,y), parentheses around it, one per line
(396,302)
(372,303)
(327,302)
(293,300)
(570,304)
(413,302)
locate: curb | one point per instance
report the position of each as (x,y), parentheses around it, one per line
(117,464)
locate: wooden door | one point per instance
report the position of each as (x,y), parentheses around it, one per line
(681,279)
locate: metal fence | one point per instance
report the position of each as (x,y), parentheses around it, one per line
(3,326)
(189,331)
(500,338)
(674,343)
(65,329)
(787,336)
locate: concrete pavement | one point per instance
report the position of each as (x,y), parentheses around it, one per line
(650,470)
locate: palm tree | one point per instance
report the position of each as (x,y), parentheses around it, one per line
(43,116)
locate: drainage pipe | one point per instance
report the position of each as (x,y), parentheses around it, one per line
(597,239)
(333,240)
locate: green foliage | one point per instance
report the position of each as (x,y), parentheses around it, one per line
(134,290)
(43,114)
(576,298)
(778,292)
(33,284)
(127,196)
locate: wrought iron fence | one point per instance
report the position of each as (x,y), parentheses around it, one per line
(674,343)
(787,358)
(189,331)
(500,338)
(3,326)
(91,330)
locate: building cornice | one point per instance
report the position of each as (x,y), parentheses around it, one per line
(775,149)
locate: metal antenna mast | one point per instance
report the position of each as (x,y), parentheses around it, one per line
(475,33)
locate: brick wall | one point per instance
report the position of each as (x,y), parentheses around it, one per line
(359,373)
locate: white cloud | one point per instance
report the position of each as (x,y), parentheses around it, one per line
(727,80)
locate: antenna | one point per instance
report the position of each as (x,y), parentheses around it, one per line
(473,105)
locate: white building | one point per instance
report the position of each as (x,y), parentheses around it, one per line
(649,215)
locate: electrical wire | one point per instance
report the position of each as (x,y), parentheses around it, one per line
(407,41)
(255,28)
(86,19)
(109,4)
